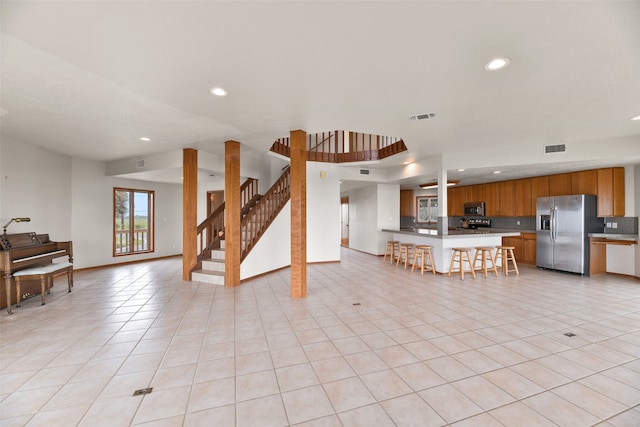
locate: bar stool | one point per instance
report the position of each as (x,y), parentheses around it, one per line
(391,249)
(426,260)
(505,253)
(460,253)
(485,253)
(405,253)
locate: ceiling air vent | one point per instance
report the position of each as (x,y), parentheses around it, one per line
(140,163)
(422,116)
(560,148)
(364,171)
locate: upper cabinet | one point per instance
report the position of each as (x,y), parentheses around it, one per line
(506,198)
(610,185)
(518,197)
(523,198)
(407,203)
(560,184)
(584,182)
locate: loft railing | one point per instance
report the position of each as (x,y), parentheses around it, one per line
(211,230)
(264,211)
(340,147)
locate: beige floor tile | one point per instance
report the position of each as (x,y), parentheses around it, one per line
(223,416)
(330,421)
(378,340)
(111,412)
(396,356)
(64,416)
(423,350)
(590,400)
(624,375)
(513,383)
(476,361)
(288,356)
(256,385)
(385,384)
(411,410)
(212,394)
(215,369)
(629,418)
(77,393)
(365,362)
(372,415)
(306,404)
(449,368)
(254,362)
(449,403)
(480,420)
(350,345)
(518,414)
(267,411)
(560,411)
(174,377)
(348,393)
(321,350)
(46,377)
(539,374)
(333,369)
(26,402)
(483,393)
(296,376)
(419,376)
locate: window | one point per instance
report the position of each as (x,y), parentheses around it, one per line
(132,234)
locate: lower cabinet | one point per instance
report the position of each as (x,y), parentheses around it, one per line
(525,247)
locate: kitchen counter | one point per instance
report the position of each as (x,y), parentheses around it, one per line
(614,236)
(442,245)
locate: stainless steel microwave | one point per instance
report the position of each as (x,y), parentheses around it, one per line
(474,209)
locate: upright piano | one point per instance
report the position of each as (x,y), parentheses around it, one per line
(25,250)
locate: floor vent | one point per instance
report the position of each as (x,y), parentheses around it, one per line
(560,148)
(140,163)
(143,391)
(569,334)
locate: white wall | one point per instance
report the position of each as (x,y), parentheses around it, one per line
(371,209)
(35,184)
(72,199)
(92,215)
(323,213)
(636,202)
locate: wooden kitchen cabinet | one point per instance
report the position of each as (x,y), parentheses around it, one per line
(539,188)
(516,242)
(584,182)
(407,203)
(560,184)
(523,198)
(528,248)
(477,193)
(455,201)
(491,196)
(506,198)
(610,192)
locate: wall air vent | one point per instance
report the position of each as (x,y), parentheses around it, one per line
(422,116)
(364,171)
(560,148)
(140,163)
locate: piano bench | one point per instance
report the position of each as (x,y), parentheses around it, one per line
(45,274)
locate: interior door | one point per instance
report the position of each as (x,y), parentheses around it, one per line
(344,221)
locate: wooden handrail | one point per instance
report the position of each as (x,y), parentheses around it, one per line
(256,221)
(361,147)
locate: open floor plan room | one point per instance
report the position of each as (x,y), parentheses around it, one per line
(371,344)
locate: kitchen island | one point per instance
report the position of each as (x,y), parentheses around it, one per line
(443,243)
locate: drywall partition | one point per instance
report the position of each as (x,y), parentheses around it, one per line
(323,212)
(388,213)
(273,250)
(36,184)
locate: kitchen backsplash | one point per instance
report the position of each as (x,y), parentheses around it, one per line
(407,222)
(512,223)
(621,225)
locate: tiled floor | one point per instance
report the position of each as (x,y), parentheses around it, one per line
(371,345)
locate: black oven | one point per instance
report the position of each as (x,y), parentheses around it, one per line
(474,209)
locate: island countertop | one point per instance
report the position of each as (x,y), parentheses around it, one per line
(455,233)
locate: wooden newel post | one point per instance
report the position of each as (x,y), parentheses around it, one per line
(232,218)
(298,214)
(189,211)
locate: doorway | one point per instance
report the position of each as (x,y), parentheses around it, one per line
(344,221)
(214,200)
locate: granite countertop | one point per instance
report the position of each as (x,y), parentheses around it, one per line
(615,236)
(429,232)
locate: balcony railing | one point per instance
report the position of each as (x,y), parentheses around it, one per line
(340,147)
(124,245)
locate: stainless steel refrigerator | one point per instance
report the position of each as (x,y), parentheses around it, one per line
(563,224)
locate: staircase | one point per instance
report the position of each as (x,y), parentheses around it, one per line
(258,212)
(212,270)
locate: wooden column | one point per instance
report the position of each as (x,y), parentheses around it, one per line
(298,214)
(233,204)
(189,211)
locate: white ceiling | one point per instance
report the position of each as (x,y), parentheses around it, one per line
(88,78)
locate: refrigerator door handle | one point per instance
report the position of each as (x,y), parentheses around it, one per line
(555,227)
(551,224)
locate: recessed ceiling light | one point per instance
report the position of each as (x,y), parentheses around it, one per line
(460,170)
(218,91)
(145,138)
(497,172)
(496,64)
(434,184)
(635,118)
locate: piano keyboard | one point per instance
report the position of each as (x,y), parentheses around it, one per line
(46,254)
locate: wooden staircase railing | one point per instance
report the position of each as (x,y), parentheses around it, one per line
(334,147)
(265,210)
(211,230)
